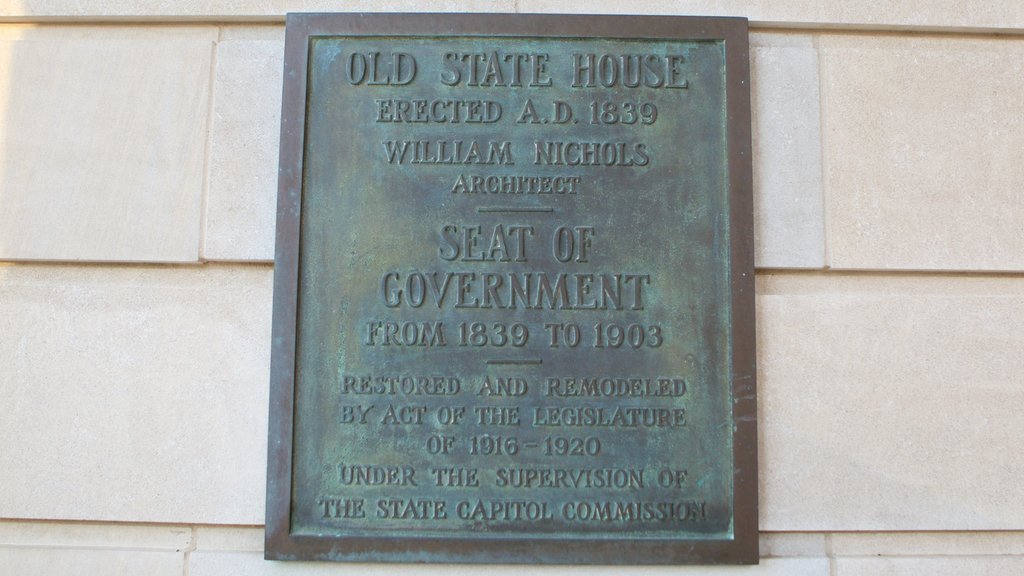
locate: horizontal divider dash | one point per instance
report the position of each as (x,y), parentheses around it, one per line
(517,362)
(514,209)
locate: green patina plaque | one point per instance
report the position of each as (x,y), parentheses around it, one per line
(514,292)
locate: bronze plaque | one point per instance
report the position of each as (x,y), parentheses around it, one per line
(513,301)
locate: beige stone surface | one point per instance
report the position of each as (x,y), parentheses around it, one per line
(767,38)
(928,544)
(996,15)
(788,212)
(949,566)
(46,10)
(94,535)
(947,14)
(240,206)
(890,403)
(85,30)
(230,538)
(208,563)
(134,393)
(270,32)
(922,146)
(75,562)
(787,544)
(102,145)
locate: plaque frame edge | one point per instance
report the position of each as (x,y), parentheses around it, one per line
(279,543)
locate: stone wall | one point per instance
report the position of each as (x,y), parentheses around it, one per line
(138,159)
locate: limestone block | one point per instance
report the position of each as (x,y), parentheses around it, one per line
(89,535)
(269,32)
(788,213)
(767,38)
(240,207)
(230,538)
(922,146)
(997,15)
(890,403)
(76,562)
(134,393)
(787,544)
(928,544)
(911,13)
(948,566)
(57,34)
(28,10)
(102,145)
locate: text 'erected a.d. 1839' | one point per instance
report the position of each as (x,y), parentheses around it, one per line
(514,294)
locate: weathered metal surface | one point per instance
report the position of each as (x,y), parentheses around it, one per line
(513,297)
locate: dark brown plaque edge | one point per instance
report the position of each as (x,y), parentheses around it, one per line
(280,544)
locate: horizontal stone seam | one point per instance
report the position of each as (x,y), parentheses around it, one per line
(755,25)
(218,549)
(832,273)
(835,273)
(875,29)
(193,544)
(911,556)
(9,520)
(224,550)
(113,547)
(113,264)
(237,260)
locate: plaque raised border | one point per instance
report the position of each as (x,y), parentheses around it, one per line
(280,543)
